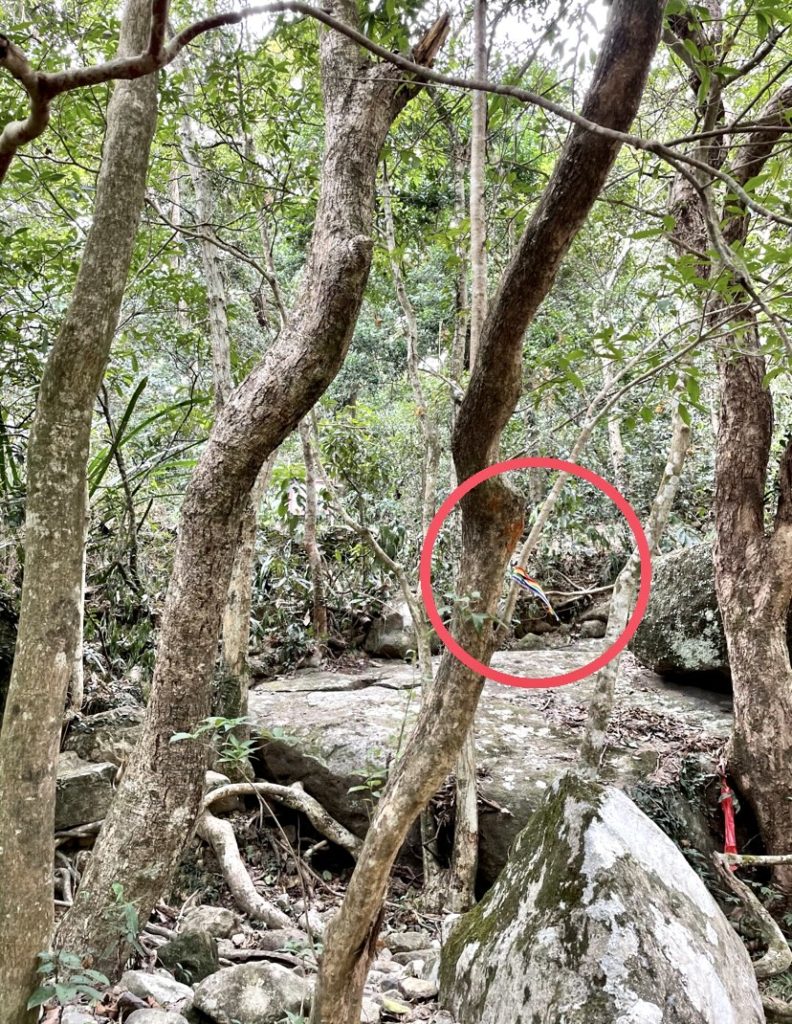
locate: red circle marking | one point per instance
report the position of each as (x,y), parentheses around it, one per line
(609,491)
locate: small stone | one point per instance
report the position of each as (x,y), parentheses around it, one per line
(154,1017)
(593,629)
(417,990)
(414,954)
(190,957)
(160,986)
(76,1015)
(406,942)
(385,965)
(238,939)
(415,969)
(391,1004)
(370,1013)
(282,938)
(218,921)
(530,642)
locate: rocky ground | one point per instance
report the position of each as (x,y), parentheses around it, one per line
(336,731)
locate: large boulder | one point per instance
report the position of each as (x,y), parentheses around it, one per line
(391,635)
(334,733)
(83,791)
(682,631)
(597,918)
(260,993)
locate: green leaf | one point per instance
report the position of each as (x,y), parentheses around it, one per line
(40,996)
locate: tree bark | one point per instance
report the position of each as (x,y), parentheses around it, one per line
(478,171)
(623,599)
(314,555)
(491,514)
(158,800)
(753,560)
(55,528)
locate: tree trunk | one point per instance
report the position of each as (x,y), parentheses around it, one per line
(753,561)
(478,183)
(492,518)
(55,529)
(157,803)
(753,575)
(314,555)
(623,599)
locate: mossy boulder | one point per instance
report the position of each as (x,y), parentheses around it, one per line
(596,918)
(682,632)
(190,957)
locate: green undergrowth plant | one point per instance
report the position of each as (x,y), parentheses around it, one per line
(63,979)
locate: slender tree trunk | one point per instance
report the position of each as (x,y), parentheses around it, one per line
(77,681)
(478,181)
(55,531)
(623,599)
(157,803)
(232,695)
(491,514)
(315,560)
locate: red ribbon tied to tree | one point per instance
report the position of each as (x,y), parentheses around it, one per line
(727,803)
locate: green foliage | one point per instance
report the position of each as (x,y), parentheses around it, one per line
(231,751)
(64,979)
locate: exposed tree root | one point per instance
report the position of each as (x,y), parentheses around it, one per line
(778,956)
(293,796)
(220,836)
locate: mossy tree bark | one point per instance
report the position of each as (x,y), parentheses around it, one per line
(50,616)
(492,515)
(159,798)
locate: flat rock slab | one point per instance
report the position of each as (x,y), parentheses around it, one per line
(334,739)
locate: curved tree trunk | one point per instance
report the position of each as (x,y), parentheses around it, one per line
(55,526)
(157,803)
(492,517)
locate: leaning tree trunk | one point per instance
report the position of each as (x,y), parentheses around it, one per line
(492,517)
(157,803)
(54,533)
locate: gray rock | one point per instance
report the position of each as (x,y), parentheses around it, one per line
(597,918)
(218,921)
(417,990)
(259,993)
(530,642)
(426,953)
(76,1015)
(161,987)
(108,736)
(83,792)
(283,938)
(682,631)
(155,1017)
(525,738)
(592,629)
(391,635)
(371,1012)
(190,957)
(406,942)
